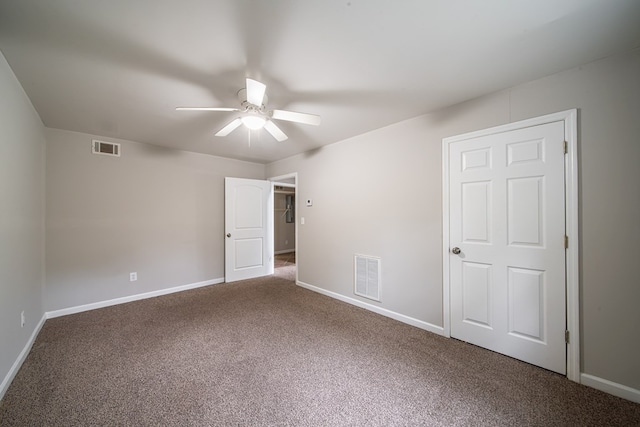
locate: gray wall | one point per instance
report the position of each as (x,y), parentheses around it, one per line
(380,194)
(154,211)
(284,233)
(22,151)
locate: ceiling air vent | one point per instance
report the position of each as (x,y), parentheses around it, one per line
(106,148)
(367,277)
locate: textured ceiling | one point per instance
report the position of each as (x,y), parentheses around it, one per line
(119,68)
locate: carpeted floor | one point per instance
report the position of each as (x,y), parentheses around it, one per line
(265,352)
(285,266)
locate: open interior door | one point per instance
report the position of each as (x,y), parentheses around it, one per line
(248,228)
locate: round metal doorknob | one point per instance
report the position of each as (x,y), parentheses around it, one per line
(228,234)
(456,250)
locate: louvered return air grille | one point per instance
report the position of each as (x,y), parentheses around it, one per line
(106,148)
(367,277)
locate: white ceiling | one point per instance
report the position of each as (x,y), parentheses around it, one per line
(119,68)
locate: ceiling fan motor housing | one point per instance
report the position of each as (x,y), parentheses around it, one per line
(242,96)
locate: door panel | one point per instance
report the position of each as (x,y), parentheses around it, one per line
(526,303)
(506,214)
(249,206)
(249,239)
(249,252)
(525,212)
(476,212)
(476,293)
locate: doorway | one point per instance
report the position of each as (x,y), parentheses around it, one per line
(285,226)
(509,209)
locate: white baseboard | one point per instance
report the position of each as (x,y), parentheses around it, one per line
(116,301)
(379,310)
(610,387)
(284,251)
(21,358)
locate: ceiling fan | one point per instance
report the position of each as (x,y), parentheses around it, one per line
(255,115)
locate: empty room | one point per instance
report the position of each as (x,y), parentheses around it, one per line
(297,212)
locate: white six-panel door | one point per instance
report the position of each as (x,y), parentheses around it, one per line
(507,254)
(249,236)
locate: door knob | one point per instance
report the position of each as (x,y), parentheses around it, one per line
(456,250)
(228,234)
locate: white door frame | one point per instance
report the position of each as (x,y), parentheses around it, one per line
(275,181)
(570,118)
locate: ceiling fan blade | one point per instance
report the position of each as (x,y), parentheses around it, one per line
(205,109)
(275,131)
(229,128)
(255,92)
(292,116)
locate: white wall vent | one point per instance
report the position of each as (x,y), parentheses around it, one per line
(106,148)
(367,276)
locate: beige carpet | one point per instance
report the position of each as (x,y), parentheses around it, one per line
(265,352)
(285,266)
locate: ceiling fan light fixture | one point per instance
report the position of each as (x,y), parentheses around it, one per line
(253,122)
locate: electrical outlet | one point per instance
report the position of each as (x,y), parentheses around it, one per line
(133,277)
(286,242)
(22,319)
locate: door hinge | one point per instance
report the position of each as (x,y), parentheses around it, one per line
(565,147)
(566,337)
(566,242)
